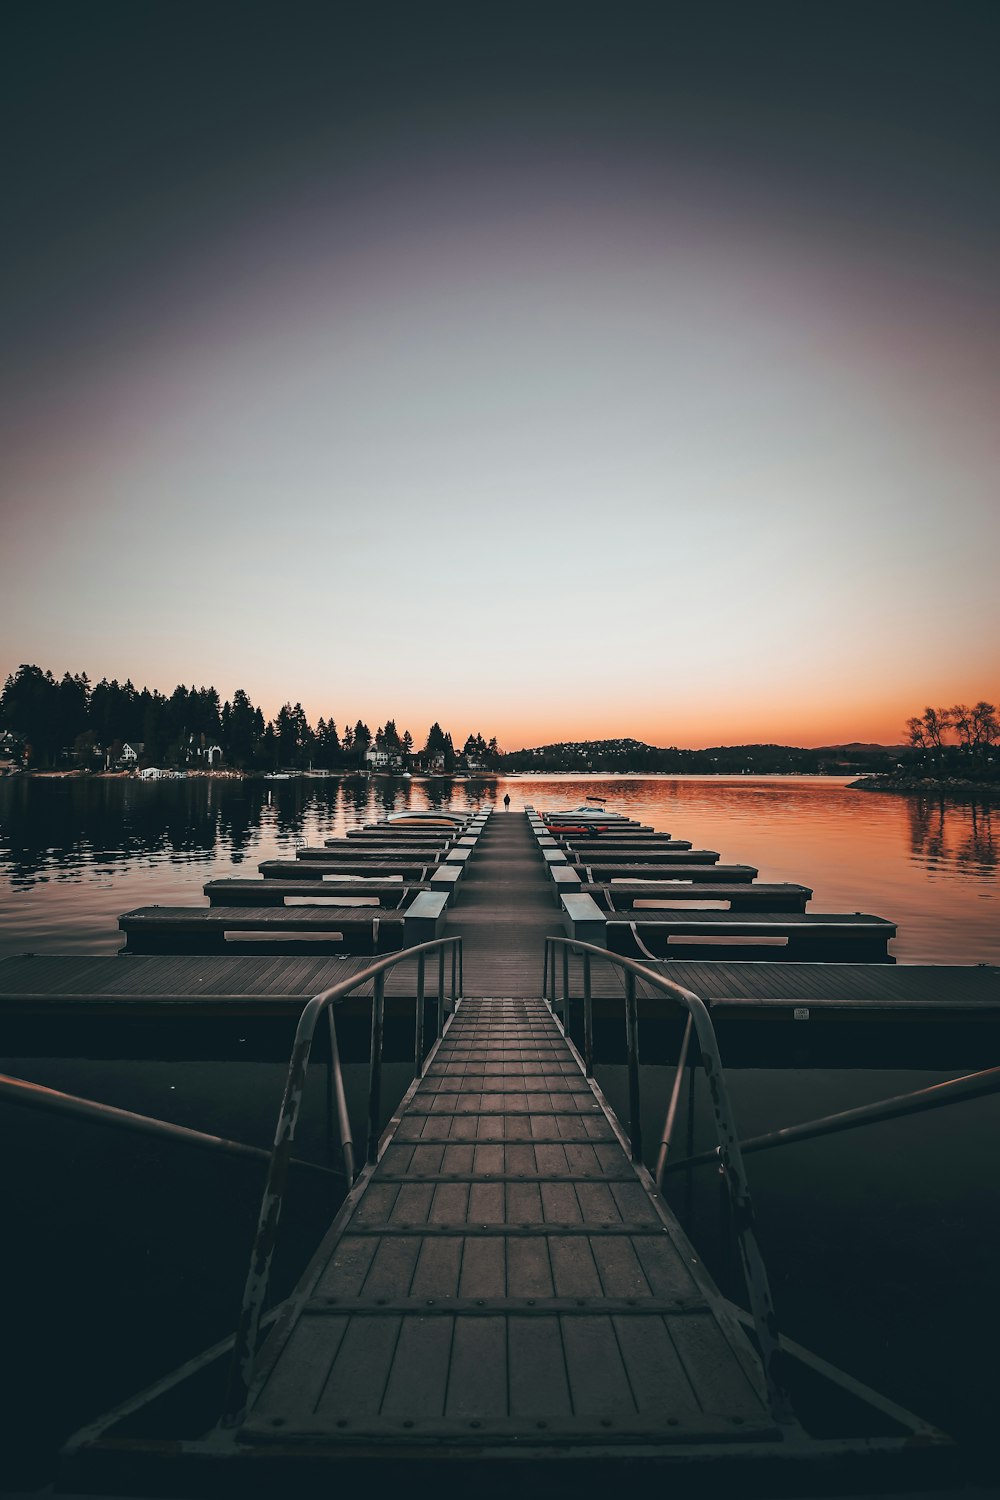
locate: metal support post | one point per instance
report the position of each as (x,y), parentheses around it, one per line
(632,1039)
(588,1020)
(375,1072)
(418,1036)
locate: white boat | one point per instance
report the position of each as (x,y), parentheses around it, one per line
(426,819)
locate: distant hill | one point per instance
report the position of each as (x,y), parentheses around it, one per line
(858,747)
(635,755)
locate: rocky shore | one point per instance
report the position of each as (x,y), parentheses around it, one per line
(937,786)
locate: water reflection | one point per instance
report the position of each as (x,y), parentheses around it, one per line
(75,854)
(956,832)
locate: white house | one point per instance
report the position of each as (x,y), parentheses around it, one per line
(377,758)
(132,752)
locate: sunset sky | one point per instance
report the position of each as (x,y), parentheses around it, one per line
(554,370)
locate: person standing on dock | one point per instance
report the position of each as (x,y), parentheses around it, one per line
(506,801)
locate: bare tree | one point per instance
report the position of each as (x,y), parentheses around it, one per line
(960,717)
(985,726)
(937,722)
(916,734)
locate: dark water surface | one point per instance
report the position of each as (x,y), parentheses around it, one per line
(74,854)
(129,1255)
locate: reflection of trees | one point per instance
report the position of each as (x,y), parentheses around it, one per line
(45,825)
(951,832)
(979,847)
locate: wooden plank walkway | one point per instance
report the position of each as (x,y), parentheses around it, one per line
(504,1281)
(506,911)
(505,1277)
(600,856)
(325,865)
(277,892)
(746,987)
(182,984)
(833,936)
(598,869)
(738,896)
(151,929)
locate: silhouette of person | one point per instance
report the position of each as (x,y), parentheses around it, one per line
(506,801)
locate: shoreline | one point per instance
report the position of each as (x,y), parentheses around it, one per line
(939,786)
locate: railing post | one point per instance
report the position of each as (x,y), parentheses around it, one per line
(461,968)
(675,1094)
(588,1020)
(343,1118)
(565,988)
(329,1108)
(440,1014)
(375,1071)
(632,1038)
(454,975)
(418,1037)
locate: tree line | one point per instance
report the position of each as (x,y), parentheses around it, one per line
(956,738)
(51,721)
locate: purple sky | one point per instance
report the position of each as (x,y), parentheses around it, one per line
(558,373)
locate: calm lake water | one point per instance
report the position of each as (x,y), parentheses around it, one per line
(881,1243)
(74,854)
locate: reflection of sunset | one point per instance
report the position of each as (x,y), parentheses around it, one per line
(74,855)
(930,868)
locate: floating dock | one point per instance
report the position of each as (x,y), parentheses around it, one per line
(504,1282)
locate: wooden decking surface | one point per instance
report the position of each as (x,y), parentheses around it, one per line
(733,987)
(640,849)
(638,859)
(505,912)
(277,892)
(181,983)
(621,869)
(624,894)
(505,1277)
(328,866)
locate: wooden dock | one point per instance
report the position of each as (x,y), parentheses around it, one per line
(505,1277)
(504,1293)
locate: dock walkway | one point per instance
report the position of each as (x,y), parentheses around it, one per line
(506,911)
(505,1276)
(504,1282)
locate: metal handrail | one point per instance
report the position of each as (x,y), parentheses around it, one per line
(27,1095)
(934,1096)
(730,1156)
(265,1239)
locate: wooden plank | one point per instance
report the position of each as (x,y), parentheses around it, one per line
(539,1389)
(296,1382)
(418,1378)
(655,1371)
(484,1268)
(598,1381)
(360,1370)
(529,1272)
(392,1266)
(477,1387)
(438,1269)
(715,1374)
(505,1268)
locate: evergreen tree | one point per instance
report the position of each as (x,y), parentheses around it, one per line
(362,741)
